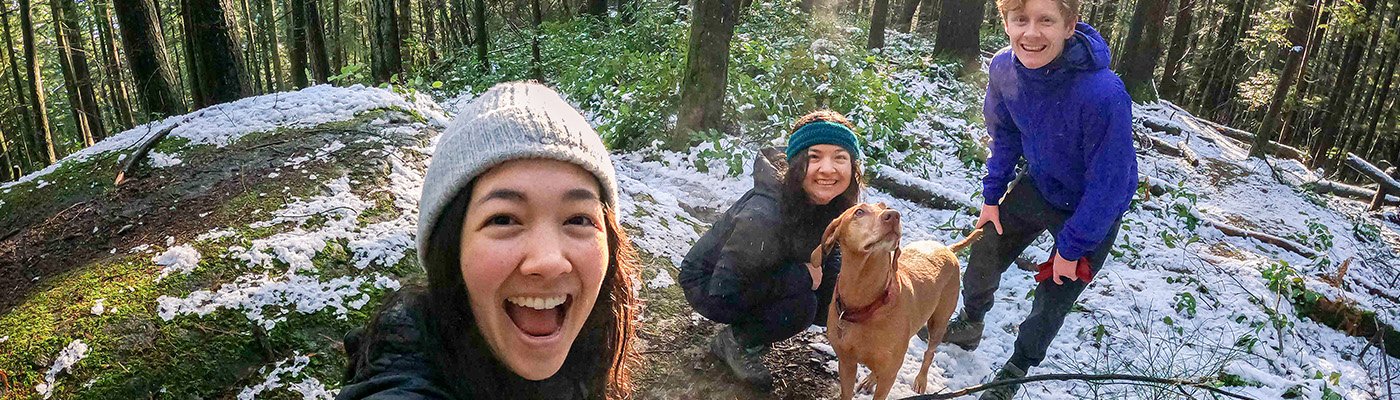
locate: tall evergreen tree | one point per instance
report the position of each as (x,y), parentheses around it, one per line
(77,76)
(959,22)
(1143,49)
(41,144)
(706,68)
(216,61)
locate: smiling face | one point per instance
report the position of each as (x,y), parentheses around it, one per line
(1038,31)
(829,172)
(533,256)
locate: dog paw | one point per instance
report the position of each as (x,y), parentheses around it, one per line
(921,385)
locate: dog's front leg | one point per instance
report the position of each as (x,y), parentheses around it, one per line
(847,370)
(884,376)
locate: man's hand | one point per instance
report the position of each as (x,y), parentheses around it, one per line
(1064,268)
(816,271)
(991,214)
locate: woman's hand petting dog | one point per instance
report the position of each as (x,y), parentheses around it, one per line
(816,271)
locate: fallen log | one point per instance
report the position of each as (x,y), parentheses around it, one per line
(141,152)
(1348,191)
(1179,150)
(1160,127)
(1275,148)
(1365,168)
(1282,243)
(912,188)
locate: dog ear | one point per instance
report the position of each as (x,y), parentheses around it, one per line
(894,264)
(828,240)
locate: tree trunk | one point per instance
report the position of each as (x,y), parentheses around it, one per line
(959,22)
(405,14)
(1337,103)
(1387,84)
(7,163)
(26,117)
(1143,47)
(1297,35)
(316,42)
(928,17)
(706,69)
(77,76)
(116,82)
(1176,54)
(596,8)
(265,47)
(904,20)
(429,28)
(482,39)
(146,56)
(878,16)
(250,47)
(338,57)
(268,12)
(1218,85)
(41,143)
(298,39)
(386,60)
(1319,30)
(536,67)
(1359,137)
(217,63)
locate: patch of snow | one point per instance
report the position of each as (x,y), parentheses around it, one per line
(225,123)
(308,387)
(182,259)
(65,361)
(162,160)
(267,299)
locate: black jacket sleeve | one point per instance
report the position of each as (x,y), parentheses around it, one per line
(753,249)
(391,363)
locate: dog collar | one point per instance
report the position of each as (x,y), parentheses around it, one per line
(860,314)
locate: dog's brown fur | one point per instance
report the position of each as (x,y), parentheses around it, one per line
(924,292)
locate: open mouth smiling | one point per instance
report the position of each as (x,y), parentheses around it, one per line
(538,316)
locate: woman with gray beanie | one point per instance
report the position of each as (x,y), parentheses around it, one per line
(529,275)
(751,270)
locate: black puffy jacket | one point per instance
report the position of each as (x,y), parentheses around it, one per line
(392,360)
(751,240)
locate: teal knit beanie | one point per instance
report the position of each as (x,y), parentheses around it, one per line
(822,132)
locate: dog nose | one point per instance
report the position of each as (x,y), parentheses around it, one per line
(890,215)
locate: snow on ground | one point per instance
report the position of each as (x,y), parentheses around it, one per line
(65,361)
(225,123)
(267,295)
(182,259)
(309,387)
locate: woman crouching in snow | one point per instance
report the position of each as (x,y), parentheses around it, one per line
(529,274)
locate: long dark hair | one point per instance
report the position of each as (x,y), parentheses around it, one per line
(598,362)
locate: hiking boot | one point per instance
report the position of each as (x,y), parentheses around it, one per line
(964,333)
(1008,371)
(746,362)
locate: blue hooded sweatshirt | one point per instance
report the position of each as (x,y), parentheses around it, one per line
(1072,121)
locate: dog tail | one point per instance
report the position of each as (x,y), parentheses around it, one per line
(972,238)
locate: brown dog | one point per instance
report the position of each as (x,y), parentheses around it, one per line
(884,294)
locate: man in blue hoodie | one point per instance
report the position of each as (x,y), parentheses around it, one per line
(1053,101)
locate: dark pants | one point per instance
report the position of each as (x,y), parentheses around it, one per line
(767,310)
(1024,216)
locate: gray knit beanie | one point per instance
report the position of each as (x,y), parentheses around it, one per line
(511,121)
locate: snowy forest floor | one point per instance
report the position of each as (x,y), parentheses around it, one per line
(260,231)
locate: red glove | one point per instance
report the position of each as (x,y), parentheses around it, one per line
(1082,271)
